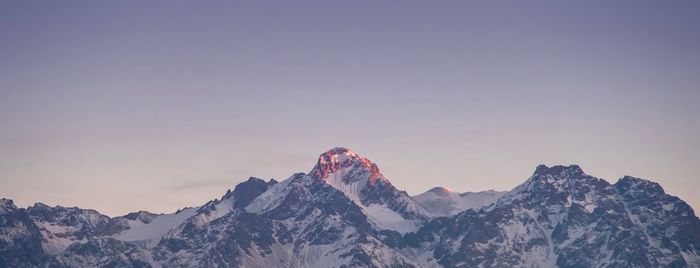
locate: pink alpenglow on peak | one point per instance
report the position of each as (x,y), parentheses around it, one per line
(341,161)
(443,191)
(359,179)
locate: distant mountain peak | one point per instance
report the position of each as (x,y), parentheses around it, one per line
(440,191)
(39,205)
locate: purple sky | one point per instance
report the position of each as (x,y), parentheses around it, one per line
(148,105)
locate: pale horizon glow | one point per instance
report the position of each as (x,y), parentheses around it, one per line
(127,106)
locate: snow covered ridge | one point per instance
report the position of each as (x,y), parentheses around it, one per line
(345,213)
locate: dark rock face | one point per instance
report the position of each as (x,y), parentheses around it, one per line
(245,192)
(669,223)
(559,217)
(20,239)
(101,252)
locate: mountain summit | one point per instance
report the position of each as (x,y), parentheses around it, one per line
(341,159)
(347,171)
(345,213)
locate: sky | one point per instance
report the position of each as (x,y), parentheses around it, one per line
(123,106)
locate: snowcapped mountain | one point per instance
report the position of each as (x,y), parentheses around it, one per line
(345,213)
(442,202)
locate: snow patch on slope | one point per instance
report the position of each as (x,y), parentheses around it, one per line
(56,238)
(386,219)
(151,233)
(208,213)
(270,199)
(351,190)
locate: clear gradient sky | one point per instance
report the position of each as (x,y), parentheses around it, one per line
(147,105)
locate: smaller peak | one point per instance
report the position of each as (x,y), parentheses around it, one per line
(558,170)
(251,179)
(6,205)
(182,209)
(628,182)
(245,192)
(440,190)
(142,215)
(41,205)
(5,201)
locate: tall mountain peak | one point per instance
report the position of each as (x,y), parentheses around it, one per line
(340,161)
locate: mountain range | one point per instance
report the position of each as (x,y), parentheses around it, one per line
(345,213)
